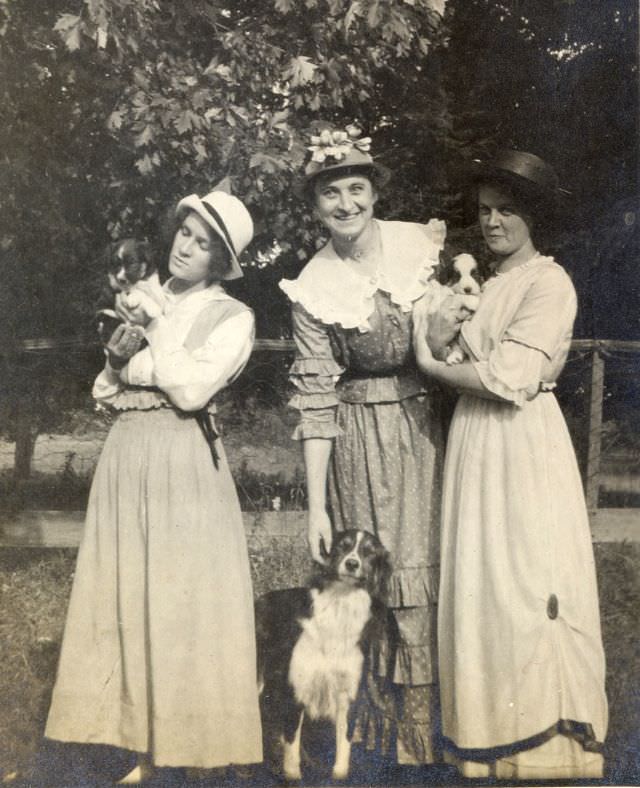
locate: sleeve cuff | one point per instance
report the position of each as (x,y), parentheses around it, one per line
(318,401)
(311,429)
(496,386)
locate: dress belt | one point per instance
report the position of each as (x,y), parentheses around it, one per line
(202,417)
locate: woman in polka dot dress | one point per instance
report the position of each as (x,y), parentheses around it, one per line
(369,425)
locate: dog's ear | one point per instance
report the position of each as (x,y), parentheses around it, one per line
(445,263)
(145,255)
(380,575)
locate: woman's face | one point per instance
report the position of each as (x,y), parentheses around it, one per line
(195,250)
(345,205)
(505,227)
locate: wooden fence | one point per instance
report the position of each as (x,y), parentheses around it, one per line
(625,523)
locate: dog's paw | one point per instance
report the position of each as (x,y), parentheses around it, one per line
(455,357)
(292,775)
(340,773)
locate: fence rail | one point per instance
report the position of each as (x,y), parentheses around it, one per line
(80,345)
(596,350)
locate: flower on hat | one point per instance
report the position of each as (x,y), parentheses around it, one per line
(337,144)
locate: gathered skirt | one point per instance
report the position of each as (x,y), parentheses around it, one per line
(521,660)
(386,478)
(158,653)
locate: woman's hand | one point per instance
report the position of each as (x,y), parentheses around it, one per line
(444,321)
(124,343)
(319,534)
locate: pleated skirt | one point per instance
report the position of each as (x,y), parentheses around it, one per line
(521,660)
(158,653)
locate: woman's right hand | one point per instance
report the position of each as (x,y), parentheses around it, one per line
(320,535)
(124,343)
(443,325)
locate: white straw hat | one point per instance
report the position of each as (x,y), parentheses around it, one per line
(230,220)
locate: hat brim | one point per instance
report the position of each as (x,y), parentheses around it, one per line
(304,185)
(554,200)
(194,203)
(553,204)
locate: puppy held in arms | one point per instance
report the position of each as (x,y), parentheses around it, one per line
(131,271)
(315,646)
(458,283)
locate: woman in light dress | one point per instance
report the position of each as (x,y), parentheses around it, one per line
(158,654)
(369,423)
(521,661)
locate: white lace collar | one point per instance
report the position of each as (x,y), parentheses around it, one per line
(536,260)
(331,291)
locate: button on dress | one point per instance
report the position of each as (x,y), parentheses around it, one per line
(521,659)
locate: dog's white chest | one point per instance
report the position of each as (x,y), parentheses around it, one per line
(327,659)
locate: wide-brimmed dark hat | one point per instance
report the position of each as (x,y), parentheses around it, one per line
(336,153)
(528,173)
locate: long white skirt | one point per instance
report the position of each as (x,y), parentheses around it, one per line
(158,653)
(520,648)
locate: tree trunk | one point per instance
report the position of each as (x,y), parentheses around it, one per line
(26,434)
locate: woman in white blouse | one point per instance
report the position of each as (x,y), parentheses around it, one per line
(158,655)
(520,650)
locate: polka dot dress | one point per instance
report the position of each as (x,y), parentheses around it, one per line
(385,477)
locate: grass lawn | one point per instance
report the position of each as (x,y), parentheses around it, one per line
(35,588)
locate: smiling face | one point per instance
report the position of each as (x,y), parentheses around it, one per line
(345,205)
(198,256)
(505,226)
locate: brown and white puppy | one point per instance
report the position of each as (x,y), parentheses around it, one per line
(314,646)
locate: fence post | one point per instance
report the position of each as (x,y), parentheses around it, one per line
(596,399)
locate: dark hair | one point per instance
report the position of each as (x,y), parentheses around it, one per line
(217,267)
(533,203)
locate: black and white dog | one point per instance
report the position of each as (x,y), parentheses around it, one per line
(130,270)
(315,646)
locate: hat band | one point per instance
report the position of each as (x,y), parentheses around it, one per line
(222,226)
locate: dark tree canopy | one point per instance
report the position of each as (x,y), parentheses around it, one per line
(113,109)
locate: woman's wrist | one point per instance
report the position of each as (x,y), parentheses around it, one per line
(316,506)
(117,363)
(424,359)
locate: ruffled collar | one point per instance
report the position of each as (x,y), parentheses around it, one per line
(331,291)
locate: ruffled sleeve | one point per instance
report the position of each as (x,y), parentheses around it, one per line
(512,372)
(314,374)
(534,345)
(107,385)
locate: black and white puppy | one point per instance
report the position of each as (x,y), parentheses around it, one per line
(461,275)
(315,645)
(128,264)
